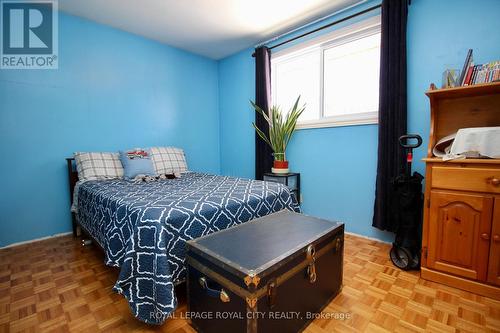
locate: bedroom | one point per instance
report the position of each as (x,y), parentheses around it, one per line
(162,74)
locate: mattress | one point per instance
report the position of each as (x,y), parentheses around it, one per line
(143,227)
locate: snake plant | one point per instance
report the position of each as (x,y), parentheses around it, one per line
(281,127)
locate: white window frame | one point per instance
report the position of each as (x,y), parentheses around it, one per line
(335,38)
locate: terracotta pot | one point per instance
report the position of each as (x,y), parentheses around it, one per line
(280,164)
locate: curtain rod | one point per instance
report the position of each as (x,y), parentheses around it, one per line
(309,25)
(324,27)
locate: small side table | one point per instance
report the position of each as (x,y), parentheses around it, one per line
(291,180)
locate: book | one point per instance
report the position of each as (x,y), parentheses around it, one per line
(482,74)
(476,74)
(469,74)
(463,74)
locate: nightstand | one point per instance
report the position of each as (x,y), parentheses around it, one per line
(291,180)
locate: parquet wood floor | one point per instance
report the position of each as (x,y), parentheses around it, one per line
(58,286)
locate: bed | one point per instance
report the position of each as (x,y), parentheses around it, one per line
(143,227)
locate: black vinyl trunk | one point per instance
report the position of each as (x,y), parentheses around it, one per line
(264,268)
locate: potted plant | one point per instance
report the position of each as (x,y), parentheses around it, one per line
(281,128)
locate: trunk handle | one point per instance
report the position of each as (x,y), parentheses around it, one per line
(221,294)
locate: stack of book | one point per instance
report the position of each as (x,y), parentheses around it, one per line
(474,74)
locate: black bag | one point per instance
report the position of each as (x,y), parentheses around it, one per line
(406,211)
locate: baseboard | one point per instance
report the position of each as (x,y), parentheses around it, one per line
(36,240)
(366,237)
(69,233)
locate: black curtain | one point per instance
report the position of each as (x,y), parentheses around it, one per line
(392,106)
(263,153)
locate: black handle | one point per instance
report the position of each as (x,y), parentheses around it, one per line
(403,140)
(224,297)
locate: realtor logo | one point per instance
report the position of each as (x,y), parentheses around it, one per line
(29,34)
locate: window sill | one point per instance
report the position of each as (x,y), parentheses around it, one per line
(368,119)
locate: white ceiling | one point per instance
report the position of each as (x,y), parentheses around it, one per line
(213,28)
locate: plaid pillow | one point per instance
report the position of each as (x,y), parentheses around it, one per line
(168,160)
(95,166)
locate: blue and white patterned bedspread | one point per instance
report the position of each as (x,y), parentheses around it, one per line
(144,227)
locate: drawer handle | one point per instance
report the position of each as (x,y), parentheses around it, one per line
(485,236)
(495,181)
(496,238)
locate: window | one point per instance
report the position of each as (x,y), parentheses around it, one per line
(336,75)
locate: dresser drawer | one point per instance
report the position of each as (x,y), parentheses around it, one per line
(468,179)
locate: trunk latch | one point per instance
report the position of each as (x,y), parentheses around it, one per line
(338,244)
(311,268)
(272,293)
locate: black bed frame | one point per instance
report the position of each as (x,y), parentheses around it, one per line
(72,180)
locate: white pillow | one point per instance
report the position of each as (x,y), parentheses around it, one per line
(96,166)
(168,160)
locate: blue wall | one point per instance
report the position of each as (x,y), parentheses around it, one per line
(338,165)
(236,88)
(113,90)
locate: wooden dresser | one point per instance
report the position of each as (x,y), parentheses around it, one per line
(461,231)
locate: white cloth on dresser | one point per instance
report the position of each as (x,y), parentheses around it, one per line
(474,143)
